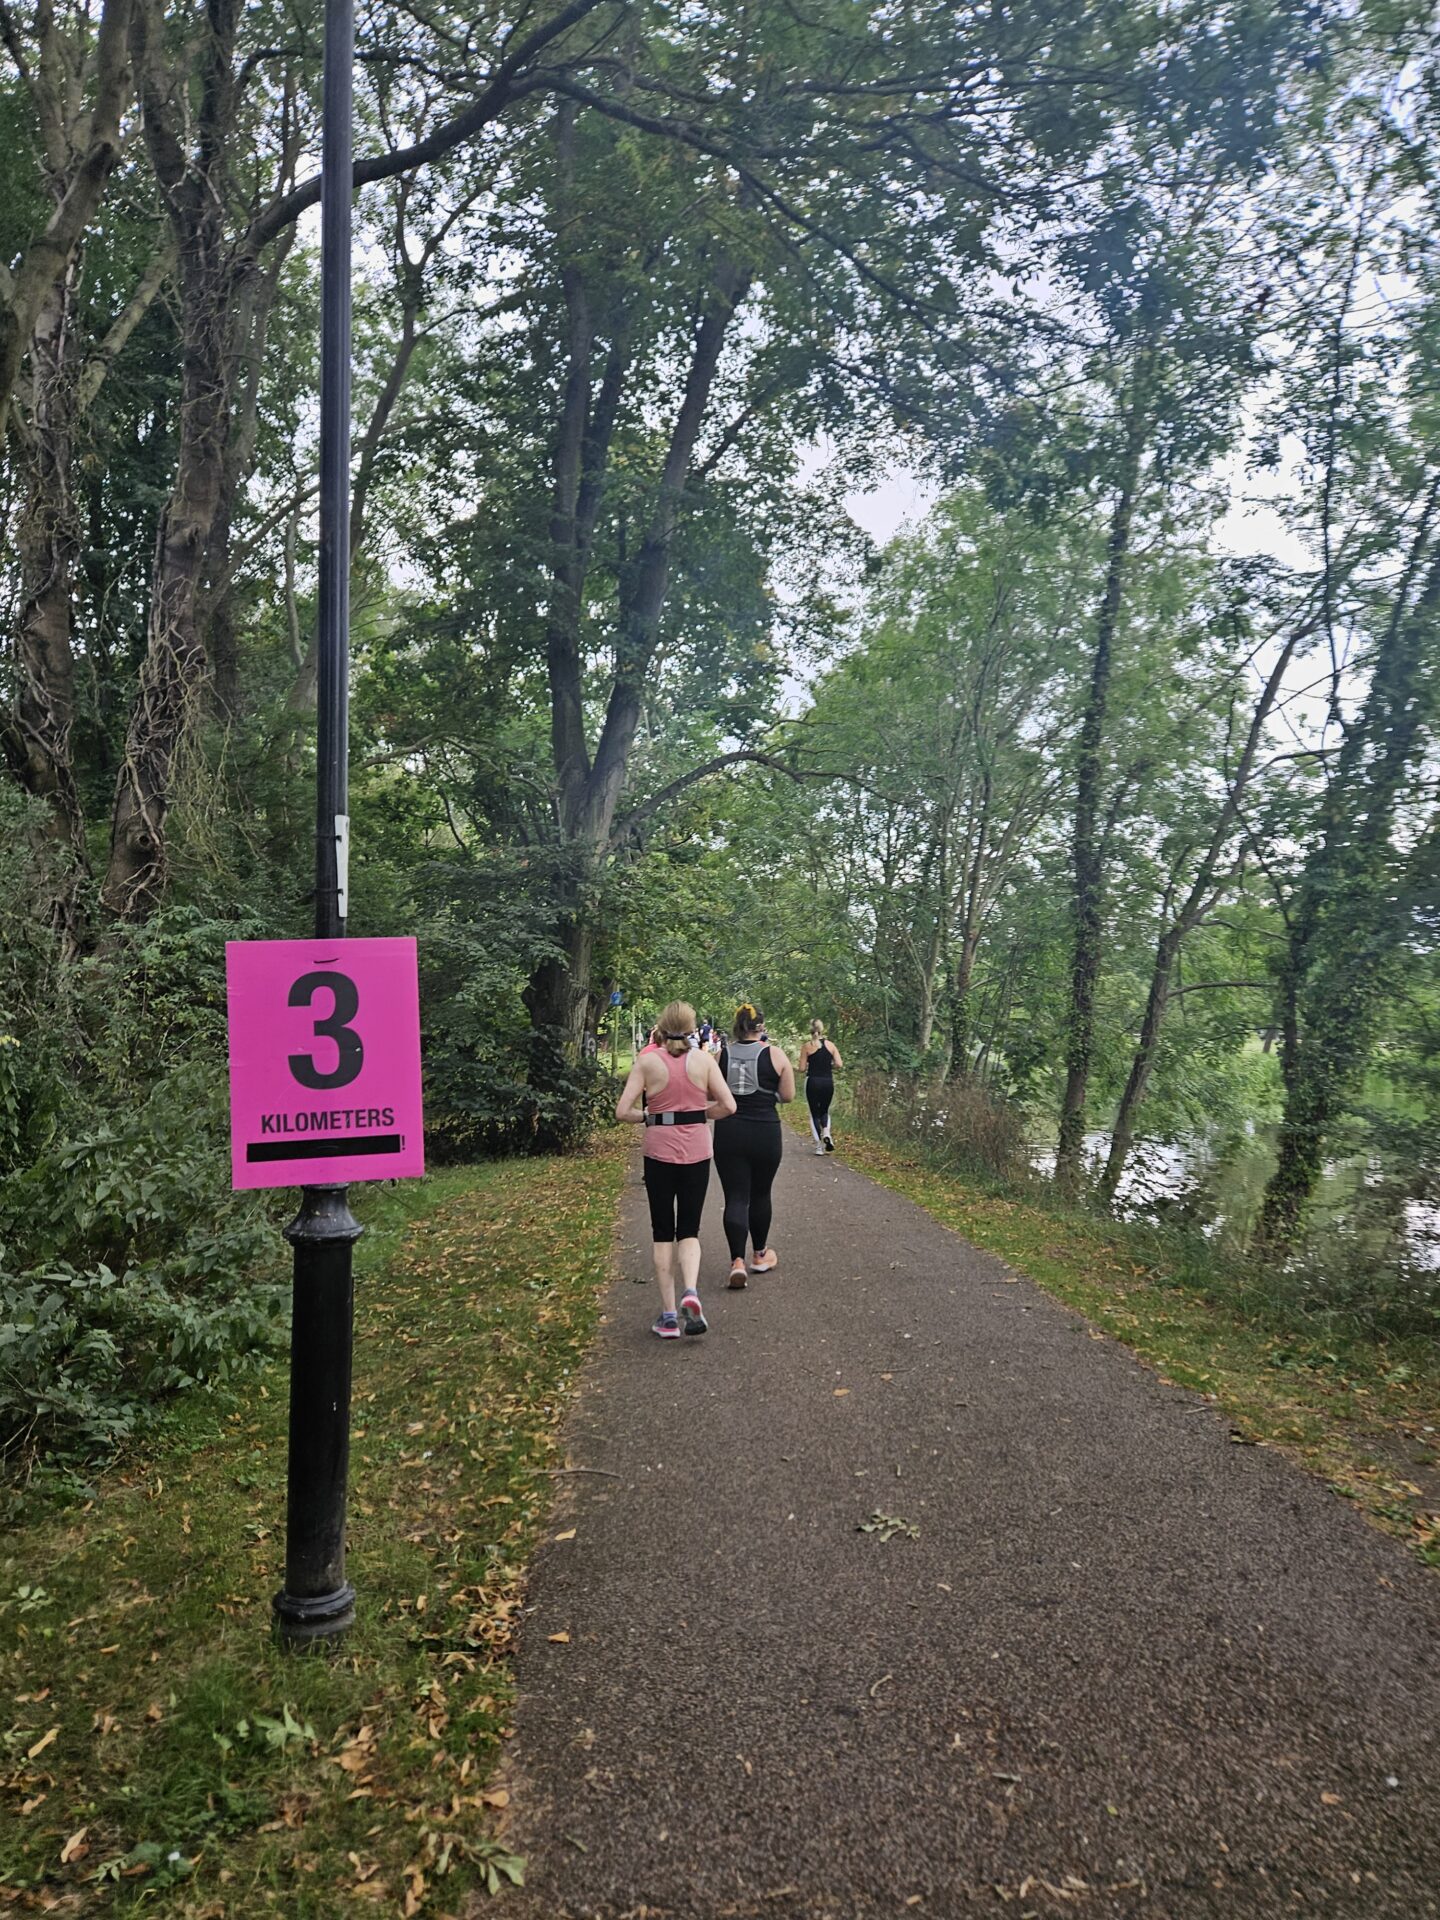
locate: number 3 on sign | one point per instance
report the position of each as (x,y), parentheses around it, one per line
(324,1062)
(333,1027)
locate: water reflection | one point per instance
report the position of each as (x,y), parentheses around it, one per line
(1217,1182)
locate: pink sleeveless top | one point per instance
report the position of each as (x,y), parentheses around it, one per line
(679,1146)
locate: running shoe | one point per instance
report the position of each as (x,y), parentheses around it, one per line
(829,1144)
(692,1313)
(737,1276)
(764,1262)
(819,1153)
(667,1326)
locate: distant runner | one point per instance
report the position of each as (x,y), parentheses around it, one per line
(682,1088)
(819,1058)
(748,1147)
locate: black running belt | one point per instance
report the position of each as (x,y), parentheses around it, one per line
(695,1117)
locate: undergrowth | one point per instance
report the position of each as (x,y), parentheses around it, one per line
(160,1750)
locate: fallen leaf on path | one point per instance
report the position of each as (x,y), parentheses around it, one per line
(887,1525)
(840,1392)
(569,1534)
(561,1639)
(1330,1800)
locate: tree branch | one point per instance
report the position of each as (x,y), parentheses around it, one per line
(627,824)
(507,83)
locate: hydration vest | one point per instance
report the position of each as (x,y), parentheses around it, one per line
(742,1066)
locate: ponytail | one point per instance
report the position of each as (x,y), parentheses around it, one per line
(675,1026)
(748,1021)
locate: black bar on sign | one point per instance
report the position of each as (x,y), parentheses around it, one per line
(258,1150)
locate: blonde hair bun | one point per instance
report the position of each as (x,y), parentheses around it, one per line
(817,1029)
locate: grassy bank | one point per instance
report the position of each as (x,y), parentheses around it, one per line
(1362,1412)
(160,1749)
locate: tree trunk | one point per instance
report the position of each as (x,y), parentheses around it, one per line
(1351,922)
(961,1020)
(588,791)
(247,331)
(1142,1065)
(93,151)
(174,670)
(191,151)
(49,539)
(1088,858)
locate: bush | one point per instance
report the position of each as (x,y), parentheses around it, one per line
(127,1266)
(957,1126)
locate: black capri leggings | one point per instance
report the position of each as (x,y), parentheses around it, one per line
(818,1097)
(677,1198)
(747,1158)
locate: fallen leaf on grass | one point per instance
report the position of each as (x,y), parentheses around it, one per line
(74,1848)
(42,1743)
(496,1797)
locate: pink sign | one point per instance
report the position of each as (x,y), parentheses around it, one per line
(324,1061)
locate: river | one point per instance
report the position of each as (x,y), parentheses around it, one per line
(1217,1181)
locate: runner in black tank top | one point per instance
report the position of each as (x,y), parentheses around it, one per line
(748,1144)
(819,1058)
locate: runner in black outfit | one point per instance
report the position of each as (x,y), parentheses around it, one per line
(748,1144)
(819,1058)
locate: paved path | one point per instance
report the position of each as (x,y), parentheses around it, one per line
(1127,1667)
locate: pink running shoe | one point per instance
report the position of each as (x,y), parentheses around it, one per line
(692,1313)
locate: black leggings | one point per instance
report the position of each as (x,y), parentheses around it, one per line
(677,1198)
(747,1158)
(818,1096)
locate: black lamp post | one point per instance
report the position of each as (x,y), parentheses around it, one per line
(317,1602)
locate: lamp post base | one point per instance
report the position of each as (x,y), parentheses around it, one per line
(301,1621)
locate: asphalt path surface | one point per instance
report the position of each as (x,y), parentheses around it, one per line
(1123,1665)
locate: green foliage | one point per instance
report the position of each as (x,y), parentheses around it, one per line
(128,1270)
(953,1126)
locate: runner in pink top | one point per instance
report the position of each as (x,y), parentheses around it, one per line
(682,1089)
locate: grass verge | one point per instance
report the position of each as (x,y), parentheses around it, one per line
(1364,1414)
(160,1749)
